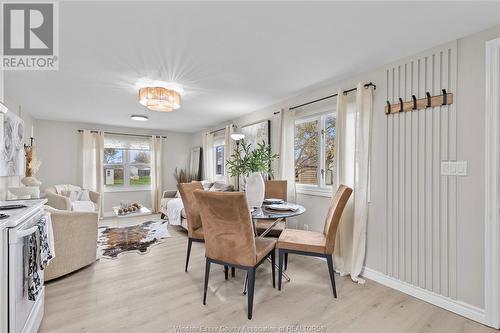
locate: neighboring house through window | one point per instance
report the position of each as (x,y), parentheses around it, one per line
(315,154)
(127,163)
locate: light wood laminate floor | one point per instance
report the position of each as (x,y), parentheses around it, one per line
(151,293)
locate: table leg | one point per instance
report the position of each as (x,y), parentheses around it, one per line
(254,223)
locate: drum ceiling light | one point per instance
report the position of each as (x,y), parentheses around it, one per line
(159,99)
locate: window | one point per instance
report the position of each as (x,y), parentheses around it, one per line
(219,158)
(127,163)
(315,154)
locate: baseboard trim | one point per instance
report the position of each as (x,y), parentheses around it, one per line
(461,308)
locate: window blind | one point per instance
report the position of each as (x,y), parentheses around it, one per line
(126,142)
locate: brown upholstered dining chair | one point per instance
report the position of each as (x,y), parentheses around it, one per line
(316,244)
(275,189)
(230,239)
(195,228)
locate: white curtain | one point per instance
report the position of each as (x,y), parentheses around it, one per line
(208,157)
(92,163)
(353,142)
(229,145)
(287,158)
(156,172)
(276,142)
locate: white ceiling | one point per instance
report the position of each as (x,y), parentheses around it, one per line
(231,58)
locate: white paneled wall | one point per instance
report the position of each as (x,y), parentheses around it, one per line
(421,229)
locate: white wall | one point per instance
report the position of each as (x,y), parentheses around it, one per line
(470,105)
(59,148)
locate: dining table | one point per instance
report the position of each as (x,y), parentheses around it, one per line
(278,214)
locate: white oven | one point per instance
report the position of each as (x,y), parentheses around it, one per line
(24,315)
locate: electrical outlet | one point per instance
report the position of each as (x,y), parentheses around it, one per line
(445,168)
(461,168)
(306,227)
(453,168)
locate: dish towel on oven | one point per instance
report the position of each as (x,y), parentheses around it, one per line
(40,251)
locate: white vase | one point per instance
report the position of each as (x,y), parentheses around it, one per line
(254,189)
(31,181)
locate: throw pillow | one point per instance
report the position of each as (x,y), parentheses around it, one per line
(221,187)
(84,195)
(206,185)
(71,195)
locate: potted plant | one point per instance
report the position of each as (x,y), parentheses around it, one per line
(183,176)
(252,164)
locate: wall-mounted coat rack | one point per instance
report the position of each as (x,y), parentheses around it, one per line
(419,104)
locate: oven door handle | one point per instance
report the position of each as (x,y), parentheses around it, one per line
(18,234)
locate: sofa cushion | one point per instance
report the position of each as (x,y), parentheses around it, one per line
(71,195)
(66,187)
(76,195)
(82,206)
(221,187)
(206,184)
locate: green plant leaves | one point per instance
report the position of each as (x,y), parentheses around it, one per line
(246,160)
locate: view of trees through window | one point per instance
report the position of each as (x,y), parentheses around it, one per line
(134,163)
(329,138)
(315,150)
(307,152)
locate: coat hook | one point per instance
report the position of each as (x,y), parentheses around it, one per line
(429,104)
(414,99)
(388,107)
(401,109)
(445,98)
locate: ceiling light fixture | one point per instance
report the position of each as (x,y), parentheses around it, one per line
(159,98)
(139,117)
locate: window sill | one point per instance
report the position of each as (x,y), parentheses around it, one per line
(126,189)
(314,191)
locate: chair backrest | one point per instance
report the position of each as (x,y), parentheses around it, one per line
(332,221)
(276,189)
(227,226)
(190,205)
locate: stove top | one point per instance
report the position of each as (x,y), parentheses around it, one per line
(17,215)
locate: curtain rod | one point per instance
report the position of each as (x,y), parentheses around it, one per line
(367,85)
(220,129)
(127,134)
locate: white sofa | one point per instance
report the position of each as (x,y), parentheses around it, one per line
(171,200)
(58,201)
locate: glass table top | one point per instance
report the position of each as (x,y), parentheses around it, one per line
(266,213)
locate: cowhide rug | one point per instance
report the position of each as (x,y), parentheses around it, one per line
(113,241)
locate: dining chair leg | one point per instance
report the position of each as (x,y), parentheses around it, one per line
(226,271)
(280,267)
(286,261)
(207,274)
(190,242)
(332,274)
(233,272)
(251,287)
(245,285)
(273,267)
